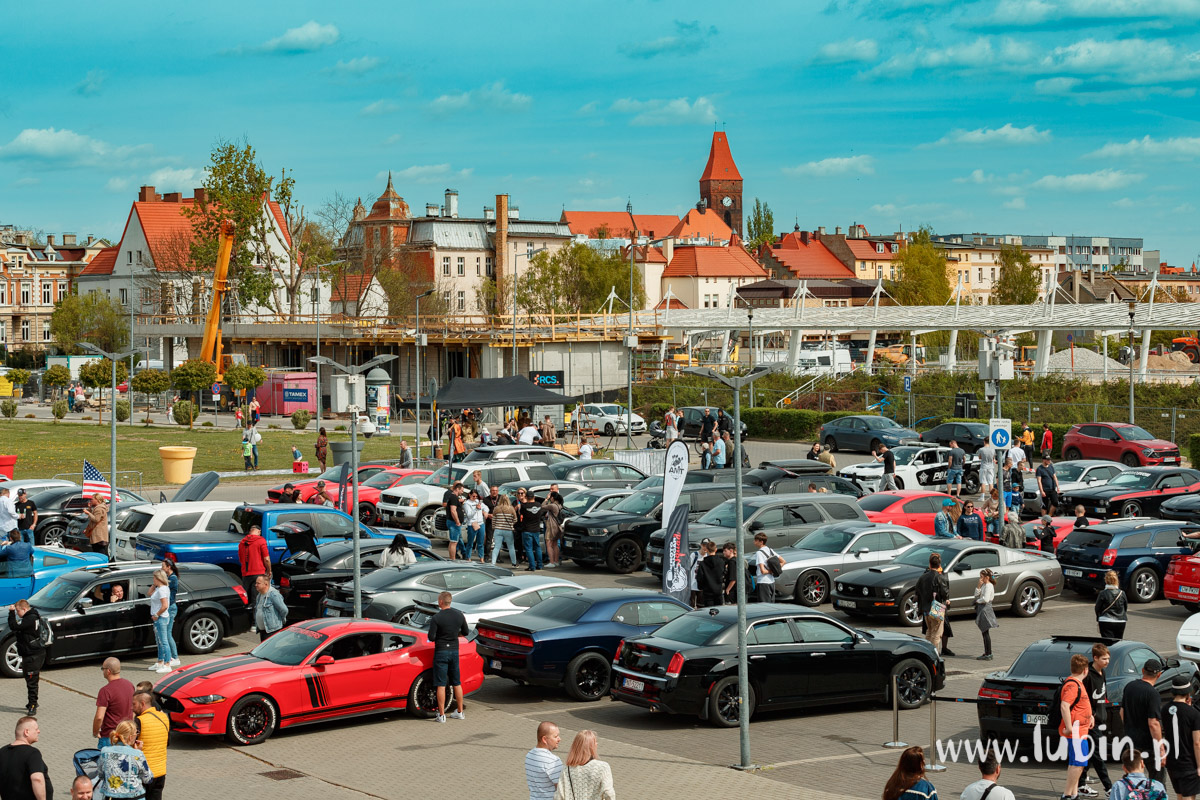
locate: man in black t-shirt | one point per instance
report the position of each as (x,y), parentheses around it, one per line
(452,502)
(1097,689)
(26,516)
(444,629)
(1181,729)
(1048,484)
(23,773)
(1141,708)
(889,467)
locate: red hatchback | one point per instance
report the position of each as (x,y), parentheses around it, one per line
(1119,441)
(913,508)
(1182,583)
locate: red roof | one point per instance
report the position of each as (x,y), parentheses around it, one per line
(103,262)
(812,260)
(706,224)
(865,250)
(706,261)
(720,164)
(168,232)
(670,302)
(277,212)
(645,254)
(351,287)
(617,223)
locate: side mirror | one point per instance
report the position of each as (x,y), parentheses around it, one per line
(755,526)
(83,604)
(1172,663)
(324,661)
(862,551)
(958,570)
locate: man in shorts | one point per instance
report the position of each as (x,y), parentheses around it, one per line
(452,502)
(954,476)
(1077,721)
(445,628)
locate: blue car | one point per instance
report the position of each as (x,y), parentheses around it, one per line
(570,640)
(863,433)
(1138,550)
(48,564)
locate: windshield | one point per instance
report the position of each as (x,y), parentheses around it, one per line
(58,594)
(578,503)
(1043,662)
(289,647)
(904,455)
(564,609)
(879,423)
(725,515)
(640,503)
(442,476)
(1132,433)
(381,480)
(829,539)
(1133,479)
(483,593)
(877,502)
(332,474)
(696,629)
(611,411)
(1067,472)
(919,556)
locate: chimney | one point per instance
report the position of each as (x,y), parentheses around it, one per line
(172,197)
(1076,279)
(432,210)
(489,212)
(69,240)
(668,248)
(91,238)
(146,195)
(451,206)
(514,213)
(837,231)
(50,239)
(200,196)
(501,238)
(852,231)
(804,237)
(821,230)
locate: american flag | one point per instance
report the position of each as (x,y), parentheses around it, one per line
(94,483)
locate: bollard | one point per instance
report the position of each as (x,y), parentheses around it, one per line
(933,765)
(895,742)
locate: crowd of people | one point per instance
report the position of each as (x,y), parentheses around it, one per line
(480,521)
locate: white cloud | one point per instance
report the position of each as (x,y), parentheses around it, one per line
(689,37)
(976,176)
(1184,147)
(1128,61)
(169,178)
(492,96)
(1042,13)
(1016,203)
(1056,86)
(848,165)
(849,51)
(117,184)
(588,108)
(426,173)
(66,148)
(979,54)
(26,181)
(380,107)
(668,112)
(885,208)
(1104,180)
(1006,134)
(1124,202)
(92,83)
(308,38)
(355,66)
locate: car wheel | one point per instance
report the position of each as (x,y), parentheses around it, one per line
(425,523)
(1072,454)
(831,443)
(1028,600)
(913,683)
(201,633)
(1143,585)
(910,612)
(366,513)
(971,483)
(588,677)
(899,482)
(609,430)
(405,616)
(812,588)
(624,555)
(10,659)
(874,448)
(52,535)
(1192,608)
(1131,508)
(724,703)
(252,720)
(422,696)
(1130,460)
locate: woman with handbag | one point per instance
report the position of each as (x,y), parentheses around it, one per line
(1111,605)
(584,777)
(985,615)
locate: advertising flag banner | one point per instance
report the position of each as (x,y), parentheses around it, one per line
(673,477)
(677,560)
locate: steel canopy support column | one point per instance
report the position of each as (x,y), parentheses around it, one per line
(1145,353)
(1041,361)
(794,350)
(950,353)
(871,353)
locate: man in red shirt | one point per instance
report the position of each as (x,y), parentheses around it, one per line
(254,558)
(114,703)
(1077,721)
(1047,440)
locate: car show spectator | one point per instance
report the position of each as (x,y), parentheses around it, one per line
(1077,721)
(172,571)
(969,525)
(96,530)
(1047,480)
(908,781)
(322,447)
(988,783)
(933,587)
(452,502)
(17,555)
(398,553)
(114,702)
(504,521)
(474,515)
(124,772)
(1025,443)
(81,788)
(826,457)
(270,611)
(153,732)
(987,468)
(529,525)
(27,516)
(888,458)
(26,623)
(585,777)
(542,767)
(710,575)
(1097,689)
(985,615)
(1047,440)
(23,771)
(160,615)
(254,558)
(954,473)
(1141,709)
(447,625)
(1111,606)
(1136,782)
(764,579)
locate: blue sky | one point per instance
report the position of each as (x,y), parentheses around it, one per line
(1027,116)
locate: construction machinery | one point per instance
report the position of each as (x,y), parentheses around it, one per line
(899,354)
(1189,345)
(211,348)
(1024,357)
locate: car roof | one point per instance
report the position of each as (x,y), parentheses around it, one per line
(909,493)
(530,581)
(602,491)
(602,595)
(194,505)
(587,462)
(505,448)
(339,625)
(1082,643)
(728,613)
(119,569)
(1136,524)
(792,497)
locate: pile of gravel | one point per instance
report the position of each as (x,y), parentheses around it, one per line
(1085,361)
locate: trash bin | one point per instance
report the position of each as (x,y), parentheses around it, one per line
(340,452)
(7,463)
(177,463)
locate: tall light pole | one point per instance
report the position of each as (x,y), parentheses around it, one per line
(736,383)
(353,409)
(113,358)
(1132,310)
(527,254)
(417,345)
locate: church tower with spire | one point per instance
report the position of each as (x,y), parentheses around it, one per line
(721,183)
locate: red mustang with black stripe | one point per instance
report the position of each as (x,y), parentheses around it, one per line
(313,671)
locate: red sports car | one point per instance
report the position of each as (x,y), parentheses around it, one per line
(913,508)
(372,479)
(1182,583)
(313,671)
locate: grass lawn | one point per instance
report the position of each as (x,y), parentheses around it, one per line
(44,449)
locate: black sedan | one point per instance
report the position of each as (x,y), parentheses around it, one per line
(599,473)
(798,658)
(1013,702)
(1134,493)
(1185,508)
(970,436)
(57,507)
(85,619)
(392,593)
(692,419)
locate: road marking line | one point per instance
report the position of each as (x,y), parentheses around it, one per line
(819,759)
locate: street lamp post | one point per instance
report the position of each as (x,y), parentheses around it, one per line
(113,358)
(1132,310)
(417,345)
(736,383)
(353,409)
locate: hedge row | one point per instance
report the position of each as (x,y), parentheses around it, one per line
(787,424)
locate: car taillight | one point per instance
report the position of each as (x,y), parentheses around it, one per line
(285,582)
(676,666)
(241,590)
(620,647)
(501,636)
(995,694)
(1109,558)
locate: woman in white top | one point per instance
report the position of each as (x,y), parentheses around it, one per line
(585,777)
(985,615)
(473,512)
(160,612)
(397,554)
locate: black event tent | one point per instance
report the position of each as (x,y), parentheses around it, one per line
(488,392)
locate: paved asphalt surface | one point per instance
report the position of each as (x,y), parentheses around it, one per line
(822,754)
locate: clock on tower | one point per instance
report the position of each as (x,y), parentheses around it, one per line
(721,183)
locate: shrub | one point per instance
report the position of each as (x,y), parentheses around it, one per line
(1194,449)
(31,416)
(86,417)
(787,424)
(122,410)
(59,409)
(206,424)
(300,419)
(273,427)
(340,428)
(8,408)
(57,376)
(185,412)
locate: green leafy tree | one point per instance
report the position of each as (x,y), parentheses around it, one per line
(150,382)
(91,317)
(240,377)
(59,410)
(921,275)
(57,376)
(19,378)
(185,413)
(1019,279)
(575,278)
(760,226)
(193,376)
(98,375)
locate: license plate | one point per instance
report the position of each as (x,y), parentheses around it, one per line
(1100,511)
(634,686)
(1189,589)
(120,544)
(845,604)
(655,560)
(1034,719)
(332,612)
(1073,573)
(495,663)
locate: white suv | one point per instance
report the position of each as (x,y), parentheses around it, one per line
(414,505)
(204,515)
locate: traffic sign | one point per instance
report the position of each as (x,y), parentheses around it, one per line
(1070,338)
(216,388)
(908,383)
(1000,433)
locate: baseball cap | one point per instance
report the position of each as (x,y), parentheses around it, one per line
(20,492)
(1047,518)
(1181,685)
(288,486)
(706,541)
(947,502)
(1153,665)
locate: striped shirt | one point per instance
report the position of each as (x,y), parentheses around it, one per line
(504,521)
(542,769)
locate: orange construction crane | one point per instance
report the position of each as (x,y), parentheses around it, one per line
(210,349)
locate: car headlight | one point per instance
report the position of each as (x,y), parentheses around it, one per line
(411,502)
(207,699)
(603,531)
(839,587)
(1146,451)
(887,592)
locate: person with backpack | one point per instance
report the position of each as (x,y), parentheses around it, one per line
(933,587)
(1073,712)
(988,786)
(767,566)
(1136,784)
(1111,605)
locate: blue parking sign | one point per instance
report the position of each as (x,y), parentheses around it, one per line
(908,383)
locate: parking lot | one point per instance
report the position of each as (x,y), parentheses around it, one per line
(834,753)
